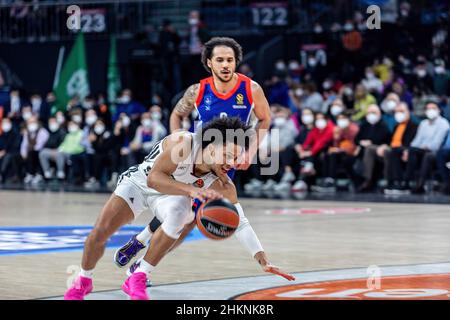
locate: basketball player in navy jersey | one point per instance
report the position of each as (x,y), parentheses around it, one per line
(224,94)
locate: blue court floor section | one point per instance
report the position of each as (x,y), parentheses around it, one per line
(49,239)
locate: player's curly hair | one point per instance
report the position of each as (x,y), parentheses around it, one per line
(221,41)
(221,130)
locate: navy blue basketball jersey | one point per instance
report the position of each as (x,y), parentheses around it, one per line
(236,103)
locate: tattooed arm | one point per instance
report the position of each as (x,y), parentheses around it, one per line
(184,107)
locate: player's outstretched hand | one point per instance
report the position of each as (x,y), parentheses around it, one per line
(205,194)
(275,270)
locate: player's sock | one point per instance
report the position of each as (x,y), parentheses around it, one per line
(145,267)
(87,273)
(145,235)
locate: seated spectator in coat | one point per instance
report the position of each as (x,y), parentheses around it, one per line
(126,104)
(337,108)
(363,100)
(102,142)
(388,106)
(10,151)
(13,108)
(372,134)
(72,149)
(422,152)
(312,99)
(50,149)
(315,145)
(404,132)
(90,118)
(147,134)
(442,160)
(34,138)
(372,83)
(40,108)
(341,153)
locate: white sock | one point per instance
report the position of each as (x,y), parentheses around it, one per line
(145,235)
(144,267)
(87,273)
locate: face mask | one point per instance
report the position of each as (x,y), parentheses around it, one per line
(312,62)
(27,115)
(372,118)
(90,120)
(280,66)
(432,114)
(87,105)
(126,121)
(156,116)
(307,119)
(439,69)
(193,22)
(125,99)
(336,110)
(32,127)
(36,101)
(293,65)
(60,119)
(99,129)
(321,123)
(147,123)
(370,75)
(400,117)
(279,122)
(421,73)
(390,105)
(76,118)
(53,127)
(298,92)
(348,91)
(326,85)
(343,123)
(73,128)
(6,126)
(318,29)
(348,27)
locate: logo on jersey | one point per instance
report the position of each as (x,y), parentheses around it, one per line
(240,98)
(208,100)
(199,183)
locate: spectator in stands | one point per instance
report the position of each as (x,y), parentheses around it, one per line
(388,106)
(147,134)
(441,78)
(401,90)
(422,152)
(337,108)
(14,107)
(278,91)
(60,119)
(40,108)
(340,155)
(102,142)
(127,105)
(443,161)
(198,35)
(34,139)
(422,78)
(312,99)
(372,83)
(403,134)
(372,134)
(10,151)
(71,149)
(363,100)
(50,149)
(88,155)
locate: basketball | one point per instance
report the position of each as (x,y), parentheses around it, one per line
(217,219)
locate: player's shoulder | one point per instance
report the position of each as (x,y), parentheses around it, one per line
(255,86)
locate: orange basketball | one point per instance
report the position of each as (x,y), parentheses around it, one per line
(217,219)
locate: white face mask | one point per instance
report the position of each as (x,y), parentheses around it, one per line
(348,91)
(125,99)
(307,119)
(421,73)
(53,127)
(432,114)
(370,75)
(99,129)
(400,117)
(36,101)
(27,115)
(90,120)
(318,29)
(193,21)
(348,27)
(343,123)
(6,126)
(389,106)
(77,118)
(126,121)
(279,122)
(372,118)
(147,123)
(88,104)
(156,116)
(321,123)
(280,66)
(32,127)
(336,110)
(312,62)
(293,65)
(60,119)
(439,69)
(73,128)
(298,92)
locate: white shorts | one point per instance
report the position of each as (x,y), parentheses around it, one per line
(174,212)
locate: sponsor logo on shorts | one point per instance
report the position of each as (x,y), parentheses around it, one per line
(410,287)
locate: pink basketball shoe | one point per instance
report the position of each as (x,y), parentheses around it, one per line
(136,286)
(80,288)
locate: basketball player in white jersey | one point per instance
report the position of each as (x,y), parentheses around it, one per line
(165,182)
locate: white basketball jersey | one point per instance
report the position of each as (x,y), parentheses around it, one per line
(183,173)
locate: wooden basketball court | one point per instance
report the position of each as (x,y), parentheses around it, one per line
(299,236)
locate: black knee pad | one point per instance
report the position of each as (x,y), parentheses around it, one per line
(154,224)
